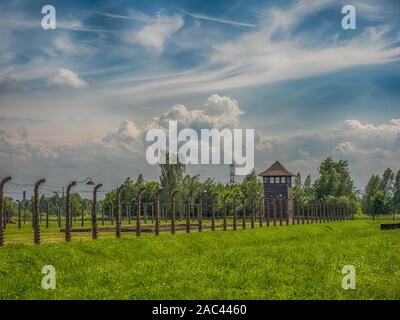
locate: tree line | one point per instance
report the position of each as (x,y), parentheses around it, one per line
(334,183)
(382,194)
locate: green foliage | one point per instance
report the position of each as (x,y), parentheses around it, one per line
(382,194)
(251,188)
(171,176)
(333,184)
(334,180)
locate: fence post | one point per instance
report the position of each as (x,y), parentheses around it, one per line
(36,237)
(83,214)
(47,218)
(157,205)
(2,208)
(252,214)
(293,202)
(19,214)
(25,213)
(200,212)
(173,211)
(234,211)
(94,211)
(68,212)
(145,212)
(138,228)
(262,213)
(59,214)
(118,213)
(224,218)
(215,195)
(274,210)
(188,209)
(267,206)
(286,209)
(244,212)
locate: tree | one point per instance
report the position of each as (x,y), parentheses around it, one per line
(381,203)
(396,193)
(297,181)
(386,187)
(334,180)
(307,188)
(171,176)
(251,187)
(372,187)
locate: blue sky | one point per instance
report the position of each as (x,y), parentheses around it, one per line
(77,100)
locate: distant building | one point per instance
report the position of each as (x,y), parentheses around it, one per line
(277,182)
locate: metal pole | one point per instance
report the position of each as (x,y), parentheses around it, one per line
(36,237)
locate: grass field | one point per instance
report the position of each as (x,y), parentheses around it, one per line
(289,262)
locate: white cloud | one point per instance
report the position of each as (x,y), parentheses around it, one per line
(156,33)
(127,136)
(273,52)
(66,77)
(218,112)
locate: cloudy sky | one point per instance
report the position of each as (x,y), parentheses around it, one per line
(77,101)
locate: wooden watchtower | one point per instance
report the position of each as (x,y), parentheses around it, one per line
(277,182)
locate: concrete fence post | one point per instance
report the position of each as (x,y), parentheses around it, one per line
(157,205)
(138,207)
(36,236)
(2,208)
(94,211)
(68,219)
(189,209)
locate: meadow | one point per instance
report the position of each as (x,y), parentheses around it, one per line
(288,262)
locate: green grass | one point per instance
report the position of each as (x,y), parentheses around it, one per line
(289,262)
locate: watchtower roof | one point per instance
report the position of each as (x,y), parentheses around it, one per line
(277,170)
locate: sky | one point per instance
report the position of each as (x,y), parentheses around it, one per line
(77,101)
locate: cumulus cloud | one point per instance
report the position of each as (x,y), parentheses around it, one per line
(218,112)
(369,147)
(125,136)
(66,77)
(155,34)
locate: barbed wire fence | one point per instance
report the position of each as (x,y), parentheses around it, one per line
(189,214)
